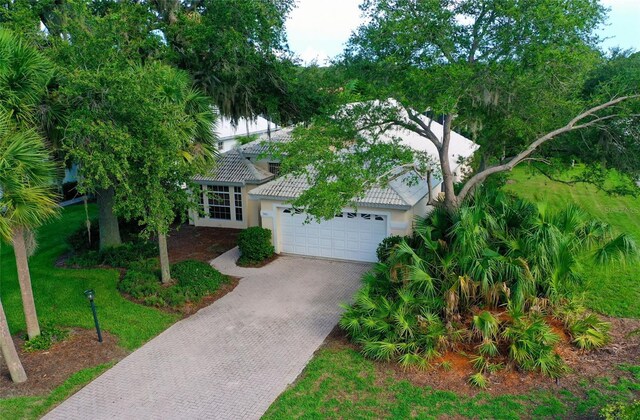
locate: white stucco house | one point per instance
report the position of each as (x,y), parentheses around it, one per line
(249,192)
(228,132)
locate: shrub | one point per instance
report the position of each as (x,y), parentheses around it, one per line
(445,284)
(531,344)
(85,259)
(197,279)
(151,265)
(194,280)
(383,252)
(255,244)
(140,284)
(125,254)
(79,240)
(49,334)
(478,380)
(589,332)
(173,296)
(129,255)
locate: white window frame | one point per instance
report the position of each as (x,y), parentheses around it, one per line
(233,192)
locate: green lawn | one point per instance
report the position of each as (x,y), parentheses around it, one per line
(58,293)
(343,384)
(613,290)
(59,298)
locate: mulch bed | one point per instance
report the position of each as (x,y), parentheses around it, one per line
(186,242)
(48,369)
(623,349)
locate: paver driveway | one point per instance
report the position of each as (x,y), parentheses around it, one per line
(232,359)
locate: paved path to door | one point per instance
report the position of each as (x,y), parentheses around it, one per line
(232,359)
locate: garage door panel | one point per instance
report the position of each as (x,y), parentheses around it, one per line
(353,236)
(325,233)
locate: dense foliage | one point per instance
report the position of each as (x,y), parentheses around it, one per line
(193,281)
(513,76)
(86,253)
(383,252)
(255,245)
(485,279)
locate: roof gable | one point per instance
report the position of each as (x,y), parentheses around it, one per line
(234,167)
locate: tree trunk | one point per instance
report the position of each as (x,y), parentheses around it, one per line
(107,220)
(24,278)
(9,352)
(164,258)
(450,199)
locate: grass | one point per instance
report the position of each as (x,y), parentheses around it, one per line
(58,292)
(36,407)
(613,290)
(60,301)
(343,384)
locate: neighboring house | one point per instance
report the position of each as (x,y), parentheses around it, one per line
(228,133)
(249,193)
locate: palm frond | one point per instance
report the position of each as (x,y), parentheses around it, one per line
(619,249)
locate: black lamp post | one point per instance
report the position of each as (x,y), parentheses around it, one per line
(91,294)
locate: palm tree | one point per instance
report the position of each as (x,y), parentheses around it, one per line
(27,201)
(24,75)
(25,170)
(494,253)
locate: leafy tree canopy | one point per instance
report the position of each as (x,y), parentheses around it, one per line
(503,72)
(143,131)
(235,50)
(615,144)
(24,76)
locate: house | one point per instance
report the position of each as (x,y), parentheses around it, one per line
(228,133)
(249,192)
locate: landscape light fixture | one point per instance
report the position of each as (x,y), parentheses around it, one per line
(91,294)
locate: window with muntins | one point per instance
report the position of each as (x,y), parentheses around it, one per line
(237,195)
(274,168)
(219,202)
(222,202)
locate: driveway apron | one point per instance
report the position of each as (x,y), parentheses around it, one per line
(232,359)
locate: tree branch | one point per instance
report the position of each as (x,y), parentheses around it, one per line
(571,126)
(426,129)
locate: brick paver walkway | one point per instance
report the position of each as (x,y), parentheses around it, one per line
(232,359)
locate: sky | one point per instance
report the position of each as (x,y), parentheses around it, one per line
(318,29)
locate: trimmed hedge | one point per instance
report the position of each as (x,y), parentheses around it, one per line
(194,280)
(197,279)
(255,244)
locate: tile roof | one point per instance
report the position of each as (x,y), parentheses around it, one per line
(399,193)
(234,167)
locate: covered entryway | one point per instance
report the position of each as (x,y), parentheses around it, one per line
(348,236)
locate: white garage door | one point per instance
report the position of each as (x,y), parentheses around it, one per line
(349,236)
